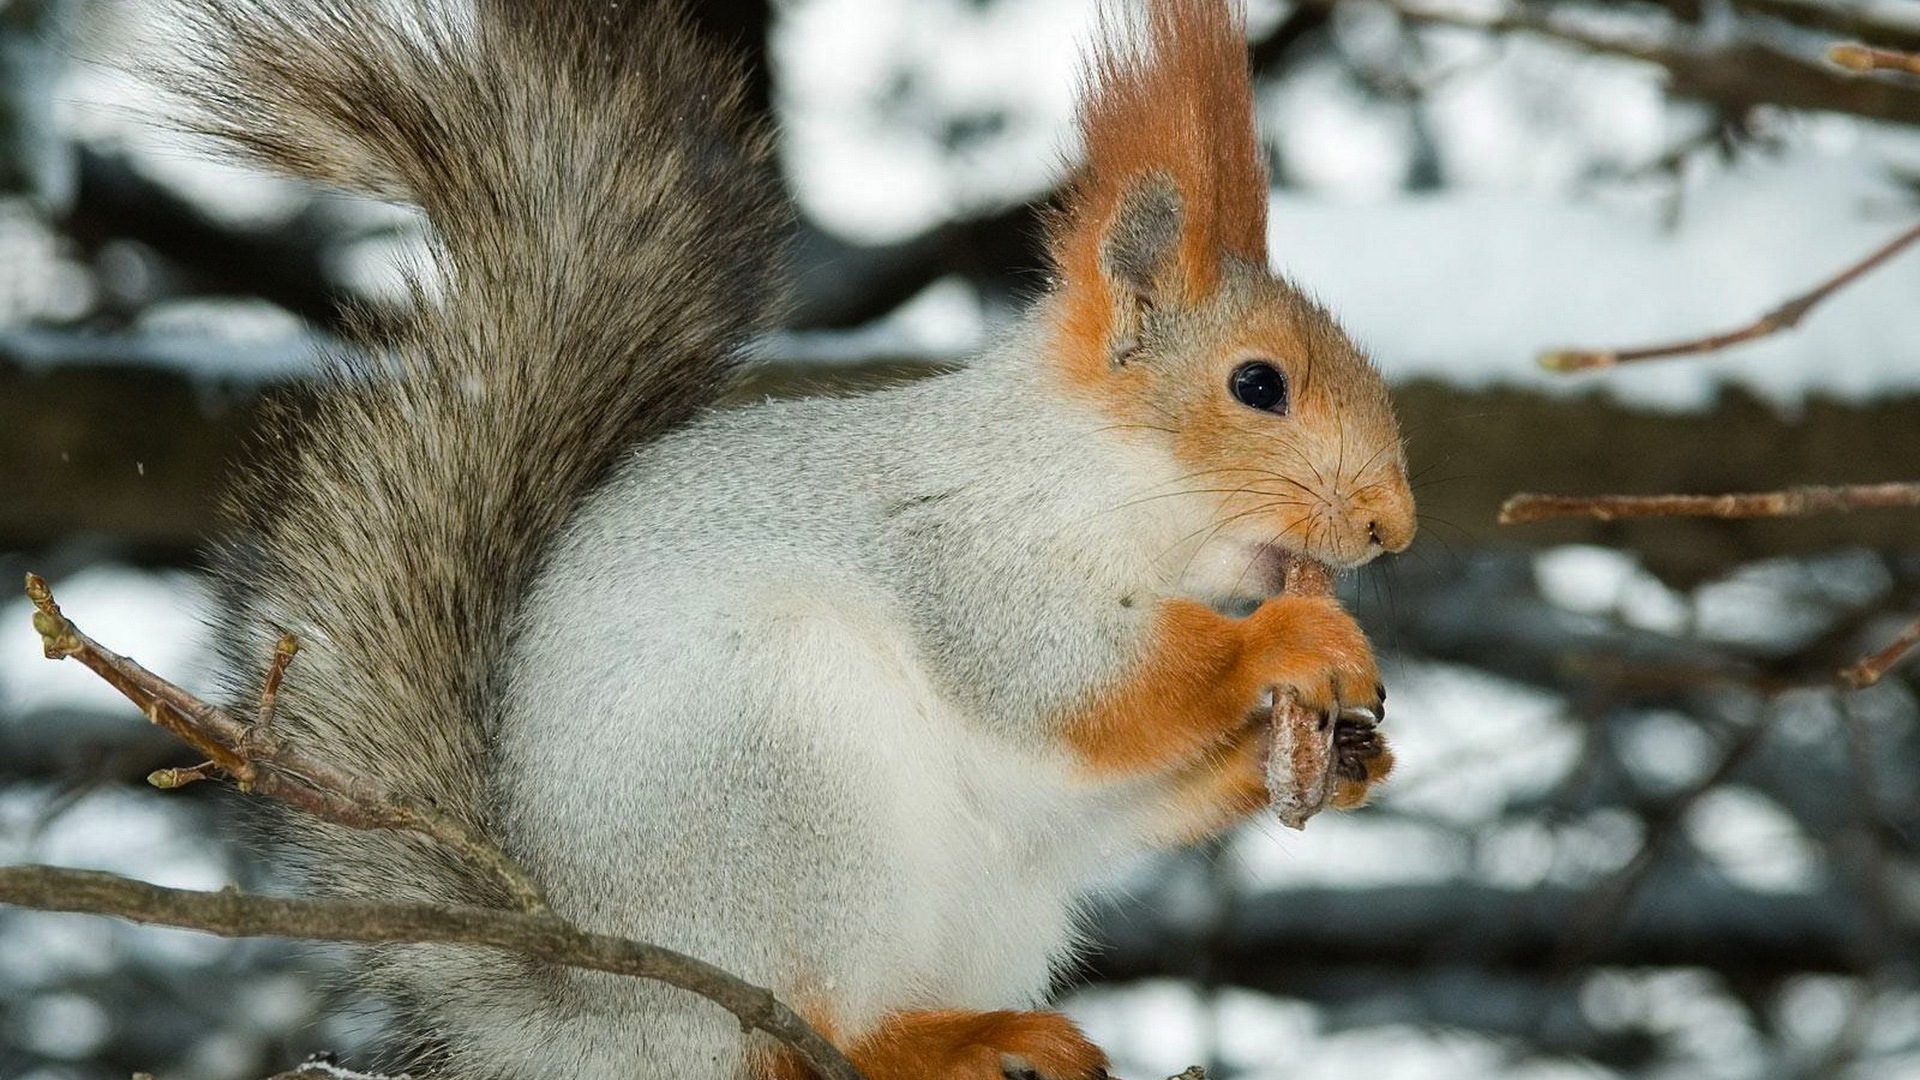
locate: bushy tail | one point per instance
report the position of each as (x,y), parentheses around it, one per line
(604,239)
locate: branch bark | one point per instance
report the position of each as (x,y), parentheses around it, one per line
(249,753)
(1866,58)
(1873,668)
(1736,75)
(256,760)
(543,936)
(1869,22)
(1301,766)
(1794,502)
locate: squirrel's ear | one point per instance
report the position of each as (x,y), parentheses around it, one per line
(1142,243)
(1173,181)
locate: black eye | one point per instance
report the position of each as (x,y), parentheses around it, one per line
(1259,385)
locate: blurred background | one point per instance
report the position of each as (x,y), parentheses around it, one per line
(1635,832)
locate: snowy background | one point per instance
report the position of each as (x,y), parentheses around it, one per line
(1616,847)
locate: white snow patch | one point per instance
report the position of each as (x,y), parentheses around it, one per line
(1666,750)
(1753,841)
(1347,851)
(897,116)
(67,1026)
(1469,743)
(945,320)
(1159,1028)
(1468,286)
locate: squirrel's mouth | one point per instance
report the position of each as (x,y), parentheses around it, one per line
(1266,567)
(1235,570)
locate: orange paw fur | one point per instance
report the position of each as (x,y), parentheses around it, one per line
(1204,675)
(1223,788)
(960,1044)
(1309,644)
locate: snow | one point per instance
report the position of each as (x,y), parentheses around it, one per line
(1747,837)
(944,322)
(1666,750)
(69,1026)
(1552,232)
(1555,228)
(1159,1028)
(1468,287)
(1472,743)
(1531,247)
(878,100)
(1775,606)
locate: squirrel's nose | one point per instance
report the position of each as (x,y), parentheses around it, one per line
(1391,537)
(1390,519)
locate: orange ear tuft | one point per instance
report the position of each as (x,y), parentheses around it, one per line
(1167,101)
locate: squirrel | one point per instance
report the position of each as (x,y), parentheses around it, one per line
(850,696)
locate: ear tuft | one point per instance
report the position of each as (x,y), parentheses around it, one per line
(1173,181)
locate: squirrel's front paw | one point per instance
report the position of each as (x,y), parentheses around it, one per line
(1310,646)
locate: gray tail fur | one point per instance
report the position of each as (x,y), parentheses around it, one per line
(604,243)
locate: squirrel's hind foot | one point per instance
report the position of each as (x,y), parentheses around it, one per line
(960,1044)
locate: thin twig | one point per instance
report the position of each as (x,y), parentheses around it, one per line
(1608,903)
(1868,21)
(231,913)
(257,761)
(283,654)
(1784,317)
(1603,909)
(1520,20)
(1855,56)
(1733,74)
(1872,668)
(1877,942)
(1792,502)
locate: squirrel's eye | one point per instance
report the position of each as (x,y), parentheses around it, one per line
(1259,385)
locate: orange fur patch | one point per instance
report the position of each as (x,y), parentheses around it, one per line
(1203,674)
(1231,784)
(1180,698)
(1174,101)
(1224,788)
(959,1044)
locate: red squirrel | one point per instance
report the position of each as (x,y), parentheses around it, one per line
(850,696)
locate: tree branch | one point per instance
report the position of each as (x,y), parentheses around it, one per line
(250,753)
(541,935)
(1737,74)
(1793,502)
(1784,317)
(1878,27)
(1872,668)
(256,760)
(1865,58)
(1309,756)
